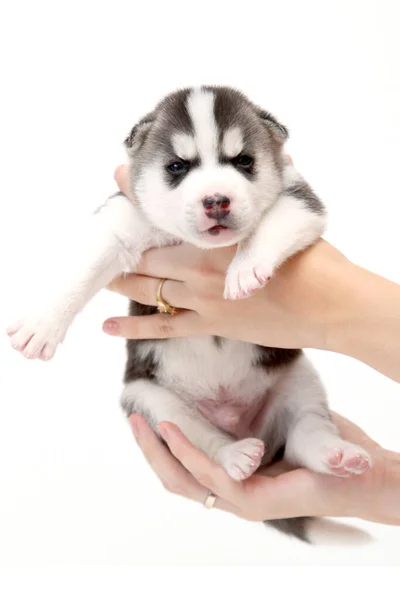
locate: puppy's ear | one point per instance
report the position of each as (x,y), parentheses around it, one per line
(278,131)
(139,133)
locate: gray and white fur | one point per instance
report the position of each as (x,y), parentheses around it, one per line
(207,167)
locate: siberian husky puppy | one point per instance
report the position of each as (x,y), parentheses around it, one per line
(207,167)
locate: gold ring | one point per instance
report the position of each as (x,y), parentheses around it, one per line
(210,500)
(162,305)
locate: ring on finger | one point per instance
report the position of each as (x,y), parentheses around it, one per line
(162,304)
(209,500)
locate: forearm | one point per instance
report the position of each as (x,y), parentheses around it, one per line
(366,325)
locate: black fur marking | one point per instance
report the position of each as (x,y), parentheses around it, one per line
(138,367)
(218,341)
(280,130)
(301,190)
(297,527)
(175,114)
(229,108)
(234,109)
(142,126)
(248,172)
(270,358)
(278,454)
(141,310)
(174,179)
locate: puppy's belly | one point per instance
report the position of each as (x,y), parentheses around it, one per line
(233,415)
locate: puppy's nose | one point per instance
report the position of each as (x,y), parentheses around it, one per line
(216,207)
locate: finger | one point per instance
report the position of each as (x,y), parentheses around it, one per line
(172,474)
(156,326)
(208,473)
(184,261)
(144,289)
(171,262)
(121,176)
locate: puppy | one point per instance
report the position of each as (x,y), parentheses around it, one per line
(207,167)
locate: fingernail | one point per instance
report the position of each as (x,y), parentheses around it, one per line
(135,428)
(111,327)
(163,431)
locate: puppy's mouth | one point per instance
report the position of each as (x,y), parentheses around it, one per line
(216,230)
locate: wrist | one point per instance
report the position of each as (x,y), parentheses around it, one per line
(331,287)
(342,320)
(365,323)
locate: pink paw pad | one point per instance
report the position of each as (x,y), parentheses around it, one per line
(358,463)
(347,461)
(262,278)
(334,457)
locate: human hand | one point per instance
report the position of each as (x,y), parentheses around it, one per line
(295,309)
(278,491)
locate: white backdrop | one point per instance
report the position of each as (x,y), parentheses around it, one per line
(74,488)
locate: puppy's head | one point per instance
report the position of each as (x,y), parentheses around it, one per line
(205,164)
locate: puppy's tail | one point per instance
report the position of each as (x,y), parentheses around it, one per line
(297,527)
(322,532)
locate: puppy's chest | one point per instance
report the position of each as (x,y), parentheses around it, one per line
(223,379)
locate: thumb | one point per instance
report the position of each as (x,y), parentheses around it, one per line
(121,176)
(157,326)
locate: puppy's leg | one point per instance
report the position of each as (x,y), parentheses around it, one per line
(313,441)
(113,242)
(239,458)
(292,224)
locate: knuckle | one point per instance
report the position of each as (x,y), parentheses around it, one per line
(172,487)
(165,327)
(208,283)
(204,479)
(204,271)
(140,294)
(114,285)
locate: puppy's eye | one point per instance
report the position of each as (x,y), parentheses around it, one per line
(243,160)
(177,167)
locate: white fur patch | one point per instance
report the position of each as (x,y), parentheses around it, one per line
(201,110)
(184,146)
(283,231)
(113,243)
(196,369)
(233,142)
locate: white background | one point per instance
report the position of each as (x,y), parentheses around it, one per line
(75,76)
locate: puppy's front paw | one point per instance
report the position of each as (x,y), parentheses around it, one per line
(242,458)
(245,277)
(36,337)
